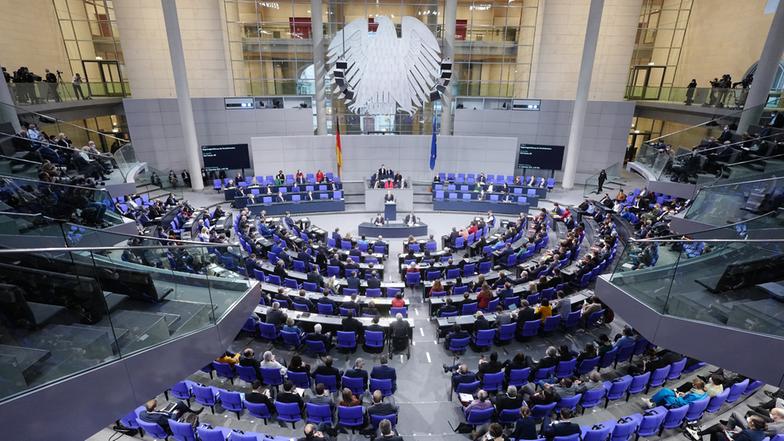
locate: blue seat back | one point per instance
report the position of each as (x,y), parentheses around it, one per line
(623,431)
(674,417)
(542,410)
(659,376)
(717,401)
(288,412)
(639,383)
(382,384)
(618,387)
(736,390)
(593,397)
(318,413)
(355,384)
(477,417)
(519,377)
(152,429)
(182,431)
(330,382)
(531,328)
(493,382)
(696,409)
(587,365)
(351,416)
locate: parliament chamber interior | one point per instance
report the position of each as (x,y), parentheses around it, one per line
(521,220)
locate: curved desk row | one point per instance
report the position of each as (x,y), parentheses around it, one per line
(278,208)
(478,206)
(391,229)
(516,189)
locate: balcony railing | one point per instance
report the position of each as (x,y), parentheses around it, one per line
(701,96)
(42,92)
(67,310)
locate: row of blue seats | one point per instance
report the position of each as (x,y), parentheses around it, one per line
(335,195)
(472,178)
(345,340)
(270,180)
(651,423)
(474,196)
(472,188)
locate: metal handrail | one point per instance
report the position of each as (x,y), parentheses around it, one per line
(54,146)
(740,183)
(11,158)
(139,247)
(719,117)
(671,237)
(55,184)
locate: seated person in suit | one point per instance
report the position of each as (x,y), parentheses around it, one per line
(463,375)
(316,335)
(358,371)
(482,401)
(525,427)
(379,220)
(384,372)
(290,395)
(457,332)
(248,358)
(561,427)
(161,418)
(269,362)
(411,219)
(386,432)
(400,332)
(275,316)
(448,308)
(508,400)
(490,366)
(327,369)
(379,407)
(320,395)
(257,396)
(291,326)
(350,324)
(389,197)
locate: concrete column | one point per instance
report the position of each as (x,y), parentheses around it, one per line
(450,18)
(319,65)
(8,108)
(765,73)
(583,87)
(174,38)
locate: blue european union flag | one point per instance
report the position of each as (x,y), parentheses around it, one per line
(433,146)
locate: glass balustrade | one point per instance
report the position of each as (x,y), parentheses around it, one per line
(733,98)
(41,92)
(735,283)
(85,205)
(66,310)
(719,205)
(22,168)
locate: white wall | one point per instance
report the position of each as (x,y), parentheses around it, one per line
(155,129)
(30,36)
(560,49)
(363,154)
(146,49)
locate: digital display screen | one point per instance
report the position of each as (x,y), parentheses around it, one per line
(539,156)
(225,156)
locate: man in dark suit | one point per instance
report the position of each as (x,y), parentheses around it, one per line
(463,375)
(289,395)
(456,333)
(326,300)
(481,323)
(384,372)
(379,407)
(561,427)
(453,235)
(315,277)
(379,220)
(525,314)
(447,308)
(336,237)
(316,335)
(161,418)
(275,316)
(280,270)
(358,371)
(411,219)
(352,282)
(389,197)
(509,400)
(350,324)
(490,366)
(327,369)
(373,281)
(257,396)
(302,299)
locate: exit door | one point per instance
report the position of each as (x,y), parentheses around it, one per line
(103,78)
(645,82)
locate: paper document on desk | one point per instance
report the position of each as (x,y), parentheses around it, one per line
(466,398)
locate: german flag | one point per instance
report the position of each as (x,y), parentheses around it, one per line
(338,148)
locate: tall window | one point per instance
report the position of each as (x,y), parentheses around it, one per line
(92,43)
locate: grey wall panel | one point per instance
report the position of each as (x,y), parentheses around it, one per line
(363,154)
(150,121)
(604,141)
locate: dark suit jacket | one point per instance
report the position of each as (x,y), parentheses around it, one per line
(384,372)
(481,323)
(358,373)
(319,337)
(255,397)
(382,409)
(525,315)
(158,418)
(504,401)
(352,324)
(561,428)
(525,428)
(324,370)
(276,317)
(352,282)
(290,397)
(373,283)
